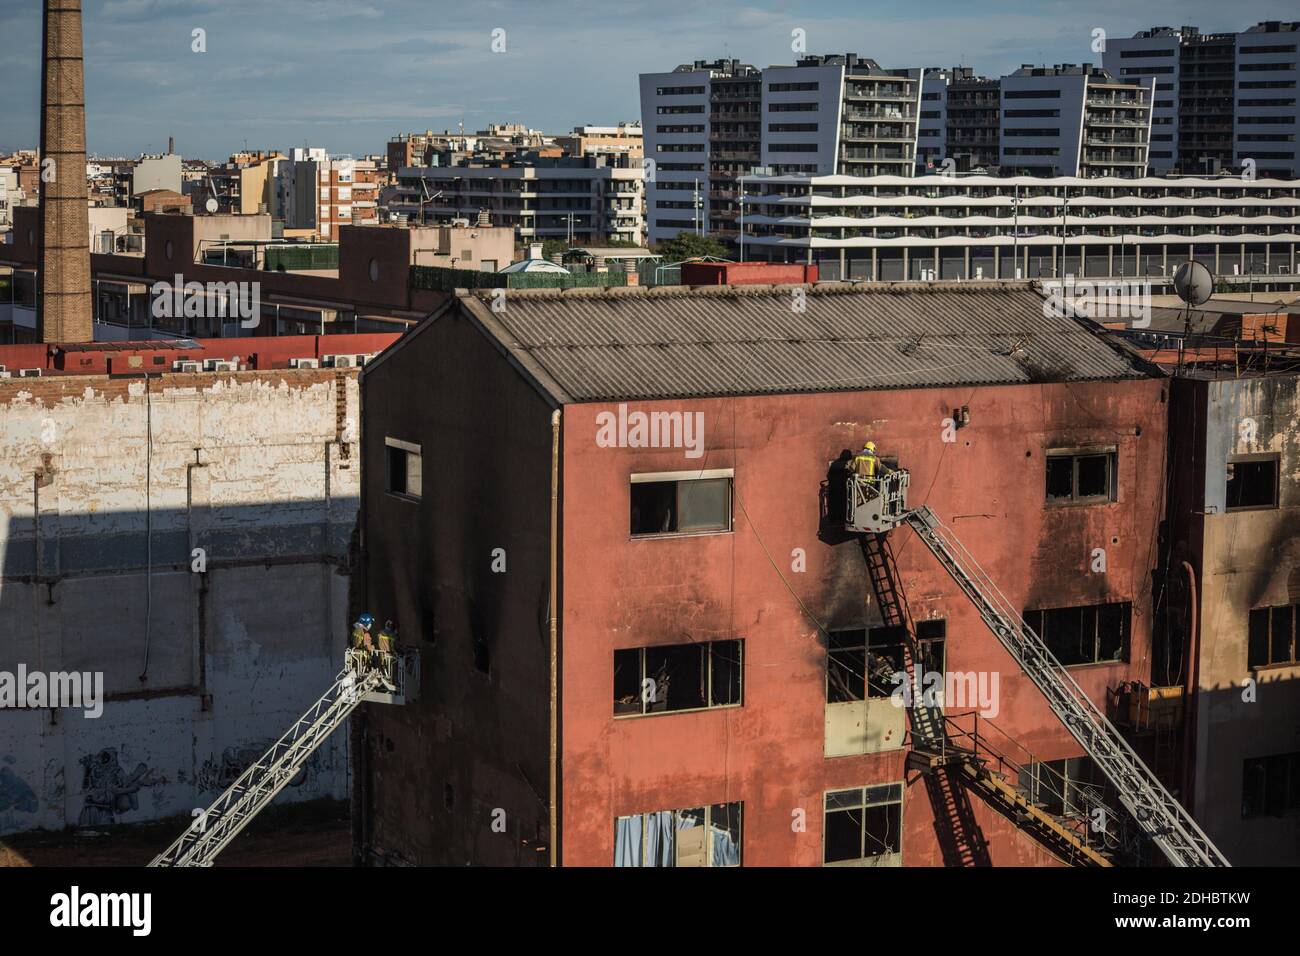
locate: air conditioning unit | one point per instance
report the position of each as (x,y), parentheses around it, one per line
(365,357)
(29,373)
(340,361)
(3,369)
(219,365)
(181,365)
(304,363)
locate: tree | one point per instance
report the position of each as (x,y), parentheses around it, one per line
(687,245)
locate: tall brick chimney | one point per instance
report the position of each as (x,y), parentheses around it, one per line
(63,312)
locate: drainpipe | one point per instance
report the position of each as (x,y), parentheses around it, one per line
(1193,671)
(554,636)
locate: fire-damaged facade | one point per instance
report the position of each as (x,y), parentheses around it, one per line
(1234,587)
(612,521)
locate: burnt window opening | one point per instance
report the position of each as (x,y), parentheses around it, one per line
(448,796)
(675,677)
(1081,476)
(684,506)
(1093,634)
(1270,786)
(863,823)
(861,663)
(405,469)
(1271,640)
(695,837)
(1252,483)
(930,639)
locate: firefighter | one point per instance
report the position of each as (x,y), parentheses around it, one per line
(865,464)
(387,644)
(361,639)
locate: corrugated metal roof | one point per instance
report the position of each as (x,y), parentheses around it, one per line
(672,342)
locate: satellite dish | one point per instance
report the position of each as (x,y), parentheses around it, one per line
(1193,283)
(210,205)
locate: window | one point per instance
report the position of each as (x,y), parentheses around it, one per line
(672,677)
(698,836)
(1271,639)
(1270,786)
(680,505)
(1080,475)
(1094,634)
(863,823)
(860,663)
(1252,482)
(405,477)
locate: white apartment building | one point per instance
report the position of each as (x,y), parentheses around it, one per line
(887,228)
(708,124)
(1073,120)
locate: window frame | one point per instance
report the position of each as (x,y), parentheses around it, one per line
(1126,612)
(888,794)
(678,478)
(708,664)
(407,449)
(1110,452)
(1269,610)
(1273,457)
(1290,762)
(708,809)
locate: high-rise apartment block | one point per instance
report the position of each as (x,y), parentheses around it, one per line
(707,124)
(1224,101)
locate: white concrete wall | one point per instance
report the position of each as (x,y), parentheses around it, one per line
(250,467)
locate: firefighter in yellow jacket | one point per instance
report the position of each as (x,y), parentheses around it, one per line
(865,464)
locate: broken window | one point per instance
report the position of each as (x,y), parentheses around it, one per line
(930,637)
(862,663)
(1270,786)
(682,506)
(862,823)
(1252,482)
(1271,638)
(1085,476)
(1072,786)
(1093,634)
(696,836)
(405,470)
(846,666)
(671,677)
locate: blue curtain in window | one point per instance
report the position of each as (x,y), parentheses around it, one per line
(627,841)
(660,845)
(725,851)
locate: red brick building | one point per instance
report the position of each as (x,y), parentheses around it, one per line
(613,628)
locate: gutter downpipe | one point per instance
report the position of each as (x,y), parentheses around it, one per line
(554,637)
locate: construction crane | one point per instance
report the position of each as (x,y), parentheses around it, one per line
(875,505)
(379,677)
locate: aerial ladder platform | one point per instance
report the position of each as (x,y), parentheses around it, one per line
(374,676)
(875,505)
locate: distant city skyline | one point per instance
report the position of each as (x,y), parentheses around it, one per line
(348,74)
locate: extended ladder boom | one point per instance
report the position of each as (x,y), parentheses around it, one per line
(270,773)
(1160,816)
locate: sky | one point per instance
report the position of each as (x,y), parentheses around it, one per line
(349,74)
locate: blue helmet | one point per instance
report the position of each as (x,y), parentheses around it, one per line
(366,620)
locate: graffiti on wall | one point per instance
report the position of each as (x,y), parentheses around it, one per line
(109,790)
(15,794)
(220,773)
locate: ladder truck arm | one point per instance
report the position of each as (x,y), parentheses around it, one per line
(1161,817)
(361,679)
